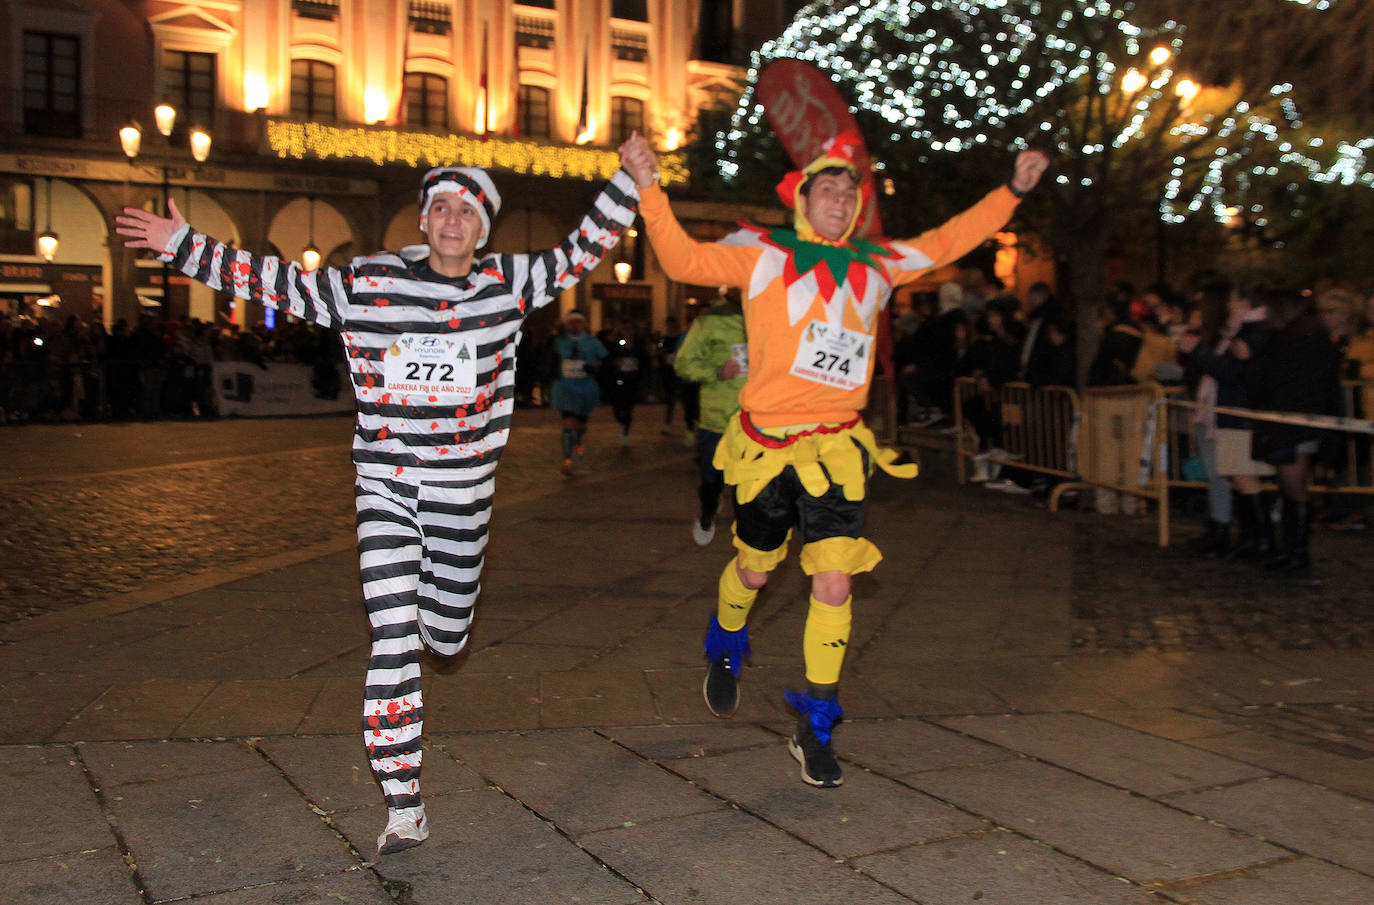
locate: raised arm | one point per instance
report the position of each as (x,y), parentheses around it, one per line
(316,295)
(964,232)
(683,258)
(542,276)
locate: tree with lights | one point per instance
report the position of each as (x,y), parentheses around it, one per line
(942,84)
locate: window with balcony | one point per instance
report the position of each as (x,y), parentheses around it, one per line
(627,115)
(188,84)
(633,10)
(532,31)
(327,10)
(534,111)
(52,84)
(542,4)
(426,100)
(630,45)
(431,17)
(313,90)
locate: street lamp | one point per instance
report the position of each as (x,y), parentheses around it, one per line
(1133,81)
(47,240)
(310,258)
(131,142)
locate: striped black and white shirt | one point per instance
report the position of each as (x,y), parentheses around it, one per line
(383,302)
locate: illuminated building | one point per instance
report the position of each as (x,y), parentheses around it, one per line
(322,115)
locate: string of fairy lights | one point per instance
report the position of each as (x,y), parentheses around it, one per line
(956,74)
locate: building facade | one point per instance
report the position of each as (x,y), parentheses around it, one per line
(322,114)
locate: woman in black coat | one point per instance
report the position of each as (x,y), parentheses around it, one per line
(1221,354)
(1299,372)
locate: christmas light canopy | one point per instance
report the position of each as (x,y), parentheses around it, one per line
(1077,77)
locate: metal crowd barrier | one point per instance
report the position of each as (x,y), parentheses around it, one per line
(1039,427)
(1128,439)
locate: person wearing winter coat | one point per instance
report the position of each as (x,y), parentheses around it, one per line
(1299,372)
(715,356)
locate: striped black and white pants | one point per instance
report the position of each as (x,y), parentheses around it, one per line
(420,548)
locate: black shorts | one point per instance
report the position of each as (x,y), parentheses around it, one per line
(764,521)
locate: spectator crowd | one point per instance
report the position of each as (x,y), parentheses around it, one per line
(66,370)
(69,369)
(1223,344)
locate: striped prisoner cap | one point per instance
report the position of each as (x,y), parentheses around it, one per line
(471,184)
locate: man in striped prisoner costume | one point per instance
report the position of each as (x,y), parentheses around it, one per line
(430,334)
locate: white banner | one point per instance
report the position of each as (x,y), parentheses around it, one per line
(246,389)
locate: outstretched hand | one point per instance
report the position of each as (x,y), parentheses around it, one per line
(1030,166)
(639,160)
(148,230)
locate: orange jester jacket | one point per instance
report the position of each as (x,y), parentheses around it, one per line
(811,308)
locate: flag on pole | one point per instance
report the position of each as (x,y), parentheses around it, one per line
(484,95)
(582,135)
(398,119)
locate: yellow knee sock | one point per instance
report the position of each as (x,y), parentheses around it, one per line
(732,609)
(824,640)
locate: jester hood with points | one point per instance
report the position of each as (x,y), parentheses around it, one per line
(811,266)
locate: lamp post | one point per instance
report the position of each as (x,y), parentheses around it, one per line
(131,141)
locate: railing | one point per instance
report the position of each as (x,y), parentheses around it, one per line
(630,45)
(1128,439)
(533,31)
(327,10)
(104,114)
(1038,426)
(431,17)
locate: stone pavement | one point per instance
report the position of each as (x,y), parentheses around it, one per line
(196,739)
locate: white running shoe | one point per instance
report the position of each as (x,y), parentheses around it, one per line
(981,472)
(405,828)
(1007,486)
(702,535)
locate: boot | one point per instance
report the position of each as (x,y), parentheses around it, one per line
(1256,542)
(1294,561)
(1216,541)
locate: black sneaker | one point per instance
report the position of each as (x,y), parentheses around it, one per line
(721,688)
(818,765)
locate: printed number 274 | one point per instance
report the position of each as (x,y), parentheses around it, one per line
(828,362)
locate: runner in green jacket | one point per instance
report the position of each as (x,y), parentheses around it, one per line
(714,354)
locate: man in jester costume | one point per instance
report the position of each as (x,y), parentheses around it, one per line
(798,454)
